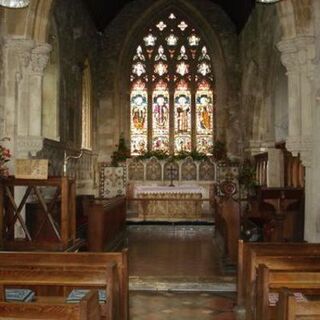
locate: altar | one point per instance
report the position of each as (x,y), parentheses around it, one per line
(164,203)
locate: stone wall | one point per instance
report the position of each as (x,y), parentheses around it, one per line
(118,42)
(77,39)
(264,92)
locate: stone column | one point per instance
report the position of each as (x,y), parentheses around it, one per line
(298,56)
(39,60)
(24,66)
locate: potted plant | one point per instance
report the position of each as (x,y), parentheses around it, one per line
(247,177)
(121,154)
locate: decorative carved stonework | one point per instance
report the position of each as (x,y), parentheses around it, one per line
(175,171)
(112,180)
(28,145)
(153,170)
(206,171)
(40,58)
(188,170)
(136,171)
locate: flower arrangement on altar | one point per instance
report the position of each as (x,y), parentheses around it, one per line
(5,156)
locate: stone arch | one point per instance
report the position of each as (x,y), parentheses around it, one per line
(217,31)
(295,18)
(33,21)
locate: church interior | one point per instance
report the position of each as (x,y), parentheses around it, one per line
(159,159)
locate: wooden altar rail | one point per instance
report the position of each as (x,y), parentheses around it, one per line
(63,227)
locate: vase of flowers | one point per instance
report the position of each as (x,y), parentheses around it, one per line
(5,156)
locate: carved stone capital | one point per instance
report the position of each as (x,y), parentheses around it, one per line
(28,145)
(19,48)
(298,52)
(40,57)
(293,144)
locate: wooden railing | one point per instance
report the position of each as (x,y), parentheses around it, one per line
(261,161)
(55,216)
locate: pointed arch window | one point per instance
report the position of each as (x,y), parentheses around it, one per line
(86,141)
(171,95)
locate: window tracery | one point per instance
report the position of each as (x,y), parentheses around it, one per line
(171,99)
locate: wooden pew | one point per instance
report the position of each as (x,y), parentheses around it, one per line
(85,260)
(277,256)
(53,309)
(41,279)
(307,281)
(290,309)
(227,222)
(106,222)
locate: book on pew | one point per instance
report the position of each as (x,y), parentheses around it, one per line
(77,294)
(19,295)
(274,298)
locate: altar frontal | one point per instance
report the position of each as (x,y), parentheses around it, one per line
(161,203)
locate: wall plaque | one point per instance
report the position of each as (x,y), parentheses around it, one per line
(31,169)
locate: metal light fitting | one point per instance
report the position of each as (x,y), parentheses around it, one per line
(15,4)
(267,1)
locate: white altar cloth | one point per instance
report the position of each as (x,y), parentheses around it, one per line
(167,189)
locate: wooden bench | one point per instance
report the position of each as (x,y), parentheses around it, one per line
(53,308)
(304,281)
(88,262)
(42,278)
(290,309)
(106,222)
(281,256)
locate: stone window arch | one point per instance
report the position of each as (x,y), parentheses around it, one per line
(86,141)
(171,88)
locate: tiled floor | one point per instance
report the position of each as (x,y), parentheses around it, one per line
(180,306)
(184,256)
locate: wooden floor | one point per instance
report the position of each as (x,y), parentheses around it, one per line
(176,273)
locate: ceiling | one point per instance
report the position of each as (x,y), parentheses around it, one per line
(103,11)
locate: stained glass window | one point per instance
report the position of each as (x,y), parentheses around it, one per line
(204,115)
(182,118)
(171,98)
(139,118)
(160,117)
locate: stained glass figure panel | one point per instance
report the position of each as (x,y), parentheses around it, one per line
(204,144)
(204,122)
(139,119)
(160,118)
(182,118)
(182,143)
